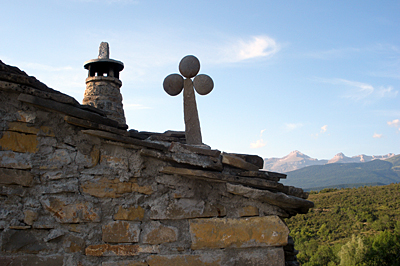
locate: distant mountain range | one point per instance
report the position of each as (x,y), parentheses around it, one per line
(342,175)
(297,160)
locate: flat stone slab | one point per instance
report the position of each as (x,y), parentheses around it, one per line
(121,232)
(219,177)
(183,148)
(238,233)
(67,109)
(185,259)
(119,250)
(71,211)
(203,161)
(186,209)
(92,125)
(15,177)
(263,174)
(238,162)
(279,199)
(119,138)
(19,142)
(253,159)
(29,260)
(124,263)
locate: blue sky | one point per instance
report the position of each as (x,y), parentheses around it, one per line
(321,77)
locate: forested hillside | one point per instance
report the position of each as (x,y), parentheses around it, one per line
(350,227)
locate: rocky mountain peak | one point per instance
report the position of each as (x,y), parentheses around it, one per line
(296,160)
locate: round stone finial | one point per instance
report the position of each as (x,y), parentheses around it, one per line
(173,84)
(203,84)
(189,66)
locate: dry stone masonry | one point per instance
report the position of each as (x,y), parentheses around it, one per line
(77,188)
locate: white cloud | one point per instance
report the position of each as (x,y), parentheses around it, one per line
(293,126)
(324,128)
(254,47)
(259,46)
(377,136)
(147,59)
(259,143)
(395,123)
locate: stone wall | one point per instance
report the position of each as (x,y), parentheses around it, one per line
(76,190)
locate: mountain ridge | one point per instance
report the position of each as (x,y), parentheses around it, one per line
(332,175)
(296,160)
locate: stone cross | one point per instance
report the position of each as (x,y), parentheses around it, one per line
(173,85)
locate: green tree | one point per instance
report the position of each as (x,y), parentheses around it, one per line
(353,253)
(384,249)
(324,256)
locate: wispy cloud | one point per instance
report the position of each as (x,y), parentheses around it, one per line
(362,89)
(359,90)
(341,52)
(259,143)
(293,126)
(387,92)
(377,136)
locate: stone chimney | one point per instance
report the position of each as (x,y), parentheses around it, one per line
(103,85)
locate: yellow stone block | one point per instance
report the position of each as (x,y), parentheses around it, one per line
(157,233)
(68,212)
(114,162)
(119,250)
(248,211)
(24,128)
(18,142)
(238,233)
(30,216)
(130,214)
(124,263)
(106,188)
(142,189)
(121,232)
(95,156)
(183,260)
